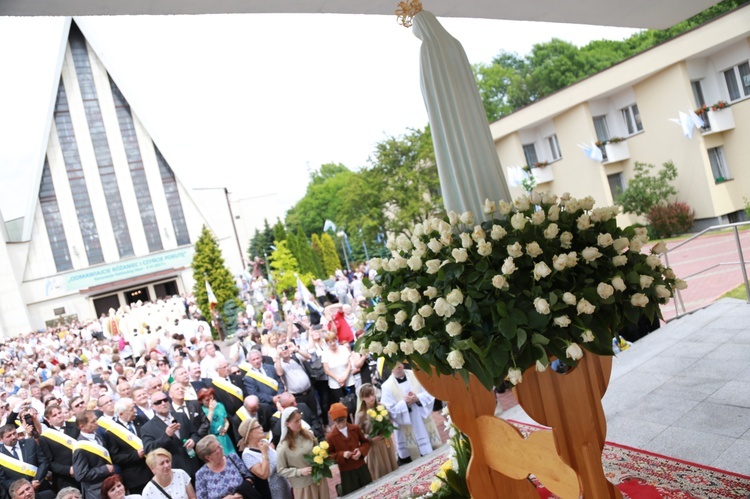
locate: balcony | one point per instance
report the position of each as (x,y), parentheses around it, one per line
(542,175)
(615,151)
(720,120)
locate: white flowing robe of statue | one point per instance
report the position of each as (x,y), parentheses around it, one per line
(416,434)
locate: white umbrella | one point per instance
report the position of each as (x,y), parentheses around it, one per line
(467,161)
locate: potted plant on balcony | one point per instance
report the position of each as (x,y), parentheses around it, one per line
(720,117)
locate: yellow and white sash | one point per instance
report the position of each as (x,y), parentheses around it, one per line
(265,379)
(228,387)
(126,436)
(93,448)
(17,465)
(59,437)
(106,422)
(243,414)
(245,366)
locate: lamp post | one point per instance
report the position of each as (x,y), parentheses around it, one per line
(367,256)
(343,246)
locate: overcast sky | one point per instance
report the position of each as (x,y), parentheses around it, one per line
(250,101)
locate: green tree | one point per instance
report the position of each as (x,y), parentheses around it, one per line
(644,190)
(331,260)
(305,255)
(279,232)
(260,243)
(208,264)
(286,269)
(317,248)
(322,200)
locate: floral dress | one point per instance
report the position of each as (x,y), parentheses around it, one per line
(280,488)
(212,485)
(217,422)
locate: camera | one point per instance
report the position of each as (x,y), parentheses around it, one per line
(29,420)
(284,348)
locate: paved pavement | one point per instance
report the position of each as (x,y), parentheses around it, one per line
(684,390)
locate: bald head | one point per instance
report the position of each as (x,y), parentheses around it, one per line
(252,403)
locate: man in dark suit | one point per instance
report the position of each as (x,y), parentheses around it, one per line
(227,389)
(143,410)
(262,380)
(91,460)
(191,408)
(173,432)
(57,446)
(286,399)
(252,408)
(194,371)
(19,456)
(123,442)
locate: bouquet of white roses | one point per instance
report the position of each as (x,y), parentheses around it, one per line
(503,295)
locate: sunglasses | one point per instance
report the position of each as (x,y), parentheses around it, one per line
(77,405)
(158,402)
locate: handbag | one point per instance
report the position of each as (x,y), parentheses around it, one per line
(315,369)
(246,489)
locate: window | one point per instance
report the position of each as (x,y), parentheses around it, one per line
(738,81)
(53,221)
(530,152)
(601,128)
(554,147)
(173,200)
(718,164)
(698,93)
(616,185)
(632,119)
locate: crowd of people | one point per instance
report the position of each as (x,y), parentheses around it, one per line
(142,403)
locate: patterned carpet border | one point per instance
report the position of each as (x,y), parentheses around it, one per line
(639,474)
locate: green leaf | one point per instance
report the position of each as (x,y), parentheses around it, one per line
(520,338)
(538,339)
(507,327)
(502,309)
(518,316)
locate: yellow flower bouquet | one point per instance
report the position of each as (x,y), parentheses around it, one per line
(320,462)
(381,423)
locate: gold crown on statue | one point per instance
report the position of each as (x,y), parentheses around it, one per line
(406,11)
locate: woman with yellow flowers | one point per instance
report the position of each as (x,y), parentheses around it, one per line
(294,445)
(382,457)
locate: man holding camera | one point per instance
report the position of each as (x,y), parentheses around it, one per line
(289,367)
(22,458)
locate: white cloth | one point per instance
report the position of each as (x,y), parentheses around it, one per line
(177,489)
(337,363)
(413,437)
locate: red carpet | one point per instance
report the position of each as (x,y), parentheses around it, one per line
(638,474)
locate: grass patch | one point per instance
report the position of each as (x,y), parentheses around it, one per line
(738,292)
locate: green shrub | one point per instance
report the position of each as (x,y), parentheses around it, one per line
(669,219)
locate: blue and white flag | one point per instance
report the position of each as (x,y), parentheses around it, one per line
(592,152)
(688,121)
(329,225)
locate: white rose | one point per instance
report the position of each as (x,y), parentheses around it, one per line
(508,266)
(645,281)
(559,262)
(605,290)
(397,262)
(562,321)
(413,295)
(618,283)
(587,336)
(514,250)
(659,248)
(499,281)
(484,248)
(435,245)
(585,307)
(541,270)
(549,198)
(422,345)
(478,233)
(541,305)
(551,231)
(375,264)
(394,296)
(639,300)
(430,292)
(587,202)
(515,375)
(453,328)
(553,213)
(620,260)
(455,359)
(380,308)
(540,367)
(467,218)
(533,249)
(653,261)
(680,284)
(572,205)
(636,245)
(414,263)
(460,254)
(391,243)
(569,298)
(419,246)
(446,238)
(565,197)
(433,266)
(455,297)
(518,221)
(425,311)
(536,198)
(604,240)
(375,348)
(453,217)
(590,254)
(574,351)
(537,218)
(417,322)
(381,324)
(669,273)
(443,308)
(503,207)
(566,239)
(418,231)
(400,318)
(572,259)
(620,243)
(488,207)
(497,233)
(407,346)
(584,222)
(641,231)
(662,291)
(466,241)
(403,243)
(522,203)
(391,348)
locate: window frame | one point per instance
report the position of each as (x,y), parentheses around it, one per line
(631,115)
(719,167)
(734,74)
(526,150)
(554,147)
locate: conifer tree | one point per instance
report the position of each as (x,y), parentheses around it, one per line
(286,268)
(317,248)
(305,254)
(279,233)
(208,264)
(331,261)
